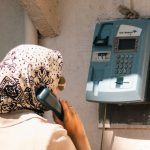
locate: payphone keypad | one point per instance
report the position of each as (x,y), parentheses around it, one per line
(124,63)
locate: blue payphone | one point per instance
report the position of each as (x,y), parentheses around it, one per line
(119,67)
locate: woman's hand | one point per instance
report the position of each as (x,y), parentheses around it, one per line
(72,122)
(74,126)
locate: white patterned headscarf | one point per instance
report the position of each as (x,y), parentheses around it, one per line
(24,69)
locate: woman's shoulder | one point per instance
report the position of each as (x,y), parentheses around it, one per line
(53,136)
(28,126)
(46,127)
(42,127)
(29,120)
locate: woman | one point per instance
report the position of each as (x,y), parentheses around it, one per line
(22,127)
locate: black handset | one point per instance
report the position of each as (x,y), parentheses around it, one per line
(50,101)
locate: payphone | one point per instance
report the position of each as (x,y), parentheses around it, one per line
(119,67)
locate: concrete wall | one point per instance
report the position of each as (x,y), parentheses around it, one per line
(15,26)
(11,25)
(78,20)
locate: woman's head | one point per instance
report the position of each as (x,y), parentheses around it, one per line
(24,69)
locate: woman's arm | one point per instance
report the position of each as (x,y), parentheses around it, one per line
(74,127)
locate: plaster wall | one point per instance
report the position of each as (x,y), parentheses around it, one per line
(12,31)
(15,26)
(78,19)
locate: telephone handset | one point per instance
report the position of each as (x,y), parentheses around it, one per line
(103,35)
(50,101)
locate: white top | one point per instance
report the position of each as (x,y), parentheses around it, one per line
(25,130)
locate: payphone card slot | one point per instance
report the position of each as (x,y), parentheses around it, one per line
(101,56)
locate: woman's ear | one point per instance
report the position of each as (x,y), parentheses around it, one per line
(61,83)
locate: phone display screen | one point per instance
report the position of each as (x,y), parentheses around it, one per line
(126,44)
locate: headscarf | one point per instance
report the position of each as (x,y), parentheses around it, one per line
(23,70)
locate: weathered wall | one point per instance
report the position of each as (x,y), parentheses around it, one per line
(11,25)
(75,40)
(44,15)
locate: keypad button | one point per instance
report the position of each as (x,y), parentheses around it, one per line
(118,56)
(126,61)
(121,61)
(127,56)
(130,56)
(130,62)
(122,56)
(120,71)
(124,71)
(130,66)
(120,66)
(118,61)
(125,66)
